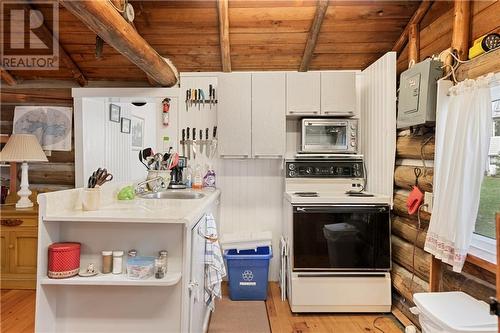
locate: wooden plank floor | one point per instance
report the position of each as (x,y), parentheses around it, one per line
(17,311)
(283,320)
(18,316)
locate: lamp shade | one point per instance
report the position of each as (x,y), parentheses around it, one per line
(23,148)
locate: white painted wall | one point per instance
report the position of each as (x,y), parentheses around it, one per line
(102,144)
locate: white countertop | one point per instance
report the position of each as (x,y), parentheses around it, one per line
(337,198)
(181,211)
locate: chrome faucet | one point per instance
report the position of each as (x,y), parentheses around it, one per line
(158,184)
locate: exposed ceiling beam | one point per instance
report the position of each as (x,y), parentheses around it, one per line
(313,35)
(414,43)
(7,77)
(102,18)
(64,56)
(481,65)
(415,19)
(225,49)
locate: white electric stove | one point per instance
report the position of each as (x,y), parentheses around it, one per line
(339,245)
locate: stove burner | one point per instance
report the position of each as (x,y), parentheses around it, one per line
(307,194)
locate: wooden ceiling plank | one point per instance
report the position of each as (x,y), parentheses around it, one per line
(76,72)
(313,35)
(415,19)
(7,77)
(102,18)
(225,48)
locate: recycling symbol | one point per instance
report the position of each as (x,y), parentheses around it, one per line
(247,275)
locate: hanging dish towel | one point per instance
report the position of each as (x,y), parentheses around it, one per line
(214,263)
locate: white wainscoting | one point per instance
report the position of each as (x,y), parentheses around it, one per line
(252,199)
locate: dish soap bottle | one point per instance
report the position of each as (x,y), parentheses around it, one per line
(209,178)
(197,181)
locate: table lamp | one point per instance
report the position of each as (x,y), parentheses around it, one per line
(23,148)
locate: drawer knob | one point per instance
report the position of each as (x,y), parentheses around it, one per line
(11,222)
(11,246)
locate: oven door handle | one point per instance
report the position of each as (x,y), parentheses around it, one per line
(341,208)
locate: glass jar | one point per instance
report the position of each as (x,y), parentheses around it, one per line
(117,262)
(107,261)
(163,256)
(159,269)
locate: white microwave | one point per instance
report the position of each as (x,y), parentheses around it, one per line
(328,135)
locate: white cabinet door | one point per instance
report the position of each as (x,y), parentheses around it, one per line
(338,93)
(234,115)
(197,307)
(268,115)
(303,93)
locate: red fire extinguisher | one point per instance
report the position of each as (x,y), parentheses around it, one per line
(166,109)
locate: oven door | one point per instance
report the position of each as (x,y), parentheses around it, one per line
(325,136)
(341,237)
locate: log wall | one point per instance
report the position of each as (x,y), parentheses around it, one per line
(407,238)
(59,173)
(436,26)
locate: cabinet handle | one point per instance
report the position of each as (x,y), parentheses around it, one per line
(11,222)
(350,113)
(276,156)
(234,156)
(11,246)
(302,112)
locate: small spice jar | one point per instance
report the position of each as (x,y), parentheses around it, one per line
(117,262)
(163,256)
(107,262)
(159,269)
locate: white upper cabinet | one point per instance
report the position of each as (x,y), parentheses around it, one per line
(338,93)
(303,93)
(268,115)
(234,115)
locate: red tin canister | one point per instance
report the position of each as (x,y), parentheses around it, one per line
(64,260)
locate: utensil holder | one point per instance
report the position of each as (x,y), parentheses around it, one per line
(91,198)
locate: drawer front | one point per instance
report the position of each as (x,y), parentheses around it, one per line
(18,222)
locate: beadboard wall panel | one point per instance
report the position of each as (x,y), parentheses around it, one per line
(251,199)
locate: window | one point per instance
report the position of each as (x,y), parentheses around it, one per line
(483,242)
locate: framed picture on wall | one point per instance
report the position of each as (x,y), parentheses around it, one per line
(125,125)
(137,133)
(114,113)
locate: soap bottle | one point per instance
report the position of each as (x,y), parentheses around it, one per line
(197,179)
(187,176)
(209,178)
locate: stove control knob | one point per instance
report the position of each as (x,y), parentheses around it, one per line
(316,170)
(353,143)
(356,166)
(291,166)
(339,170)
(357,173)
(309,170)
(292,173)
(332,170)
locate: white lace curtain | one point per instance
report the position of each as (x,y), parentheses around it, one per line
(463,130)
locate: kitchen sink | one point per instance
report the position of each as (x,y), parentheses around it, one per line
(180,194)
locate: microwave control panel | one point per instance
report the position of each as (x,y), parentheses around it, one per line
(324,169)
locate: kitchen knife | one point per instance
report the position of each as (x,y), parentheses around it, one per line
(188,142)
(199,98)
(207,148)
(201,142)
(214,142)
(210,95)
(187,99)
(194,143)
(183,142)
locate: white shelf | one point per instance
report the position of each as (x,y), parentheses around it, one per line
(170,279)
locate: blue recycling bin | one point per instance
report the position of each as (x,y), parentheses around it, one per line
(247,273)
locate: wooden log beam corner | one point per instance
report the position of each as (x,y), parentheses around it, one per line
(7,77)
(102,18)
(414,20)
(225,48)
(313,35)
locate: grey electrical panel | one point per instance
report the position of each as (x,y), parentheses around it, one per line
(417,93)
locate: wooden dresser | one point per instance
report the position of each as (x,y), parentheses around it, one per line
(19,234)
